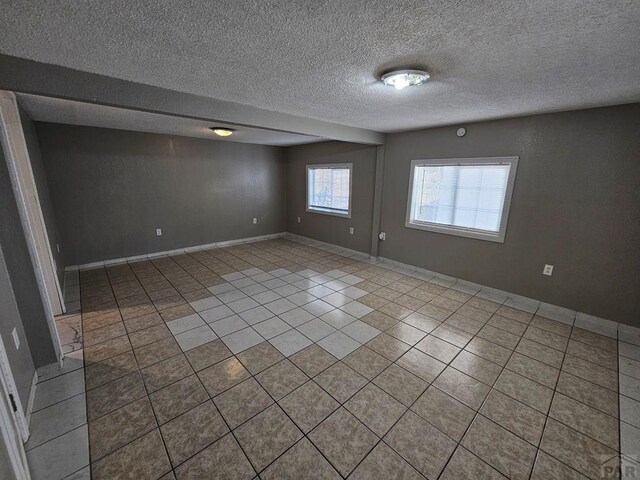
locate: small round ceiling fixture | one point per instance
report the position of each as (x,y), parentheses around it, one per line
(222,132)
(400,79)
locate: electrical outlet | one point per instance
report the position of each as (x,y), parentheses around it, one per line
(158,232)
(548,270)
(382,236)
(350,230)
(255,220)
(298,220)
(16,339)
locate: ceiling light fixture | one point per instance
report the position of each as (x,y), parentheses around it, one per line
(400,79)
(223,132)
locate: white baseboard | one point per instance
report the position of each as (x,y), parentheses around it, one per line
(178,251)
(554,312)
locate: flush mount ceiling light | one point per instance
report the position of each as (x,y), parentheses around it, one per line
(222,132)
(400,79)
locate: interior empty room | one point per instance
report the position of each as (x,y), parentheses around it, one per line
(320,240)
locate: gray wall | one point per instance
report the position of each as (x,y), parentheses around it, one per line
(19,359)
(576,205)
(43,192)
(328,228)
(19,294)
(111,189)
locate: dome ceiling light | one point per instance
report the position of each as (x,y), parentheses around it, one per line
(222,132)
(400,79)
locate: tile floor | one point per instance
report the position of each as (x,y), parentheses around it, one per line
(280,360)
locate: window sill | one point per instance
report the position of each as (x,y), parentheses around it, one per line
(329,212)
(497,237)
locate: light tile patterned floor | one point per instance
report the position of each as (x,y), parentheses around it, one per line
(282,360)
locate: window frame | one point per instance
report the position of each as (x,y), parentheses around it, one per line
(318,166)
(462,231)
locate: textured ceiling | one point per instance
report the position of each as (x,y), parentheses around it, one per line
(319,59)
(46,109)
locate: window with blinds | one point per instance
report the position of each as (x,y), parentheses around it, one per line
(329,189)
(468,197)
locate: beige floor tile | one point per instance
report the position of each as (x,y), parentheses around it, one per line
(116,429)
(177,398)
(192,431)
(515,314)
(465,465)
(539,352)
(421,365)
(465,324)
(489,351)
(400,384)
(308,406)
(240,403)
(110,348)
(383,462)
(388,346)
(421,322)
(452,335)
(515,416)
(501,337)
(446,302)
(508,324)
(406,333)
(340,381)
(547,338)
(526,391)
(605,358)
(142,459)
(551,326)
(343,440)
(477,367)
(110,369)
(156,352)
(594,339)
(474,313)
(488,305)
(590,371)
(462,387)
(376,409)
(588,393)
(223,375)
(421,444)
(437,348)
(533,370)
(312,360)
(587,420)
(281,379)
(575,449)
(166,372)
(223,459)
(259,358)
(113,395)
(366,362)
(504,451)
(267,436)
(301,461)
(444,412)
(208,354)
(548,468)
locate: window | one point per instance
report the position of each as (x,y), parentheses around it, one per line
(468,197)
(329,189)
